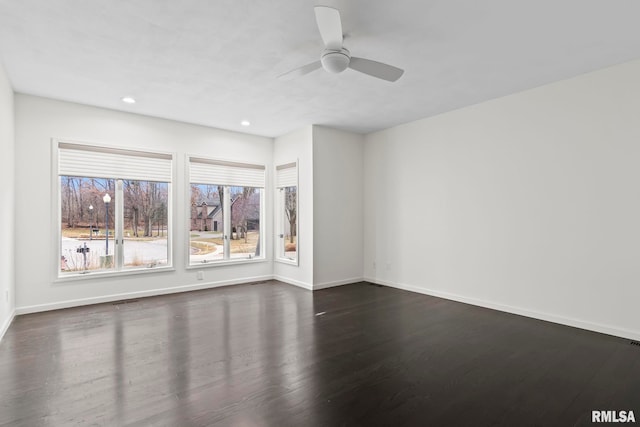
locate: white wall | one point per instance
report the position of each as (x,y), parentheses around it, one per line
(37,121)
(298,145)
(529,203)
(7,206)
(337,207)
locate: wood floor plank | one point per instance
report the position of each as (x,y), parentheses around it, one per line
(275,355)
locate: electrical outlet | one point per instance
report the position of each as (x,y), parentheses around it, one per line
(200,275)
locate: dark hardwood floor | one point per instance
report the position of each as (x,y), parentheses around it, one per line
(263,355)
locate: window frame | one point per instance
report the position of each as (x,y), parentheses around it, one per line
(56,220)
(280,217)
(227,260)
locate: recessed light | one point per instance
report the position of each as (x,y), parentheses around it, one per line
(245,123)
(128,100)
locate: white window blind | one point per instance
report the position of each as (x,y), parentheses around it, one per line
(105,162)
(218,172)
(286,175)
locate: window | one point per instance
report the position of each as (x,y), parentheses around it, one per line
(287,212)
(114,209)
(245,221)
(207,223)
(146,214)
(226,211)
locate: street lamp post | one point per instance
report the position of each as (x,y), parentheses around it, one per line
(107,199)
(91,224)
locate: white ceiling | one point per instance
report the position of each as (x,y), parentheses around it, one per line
(215,62)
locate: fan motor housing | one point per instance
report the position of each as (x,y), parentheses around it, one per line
(335,61)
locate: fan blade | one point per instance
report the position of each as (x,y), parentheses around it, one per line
(376,69)
(301,71)
(330,26)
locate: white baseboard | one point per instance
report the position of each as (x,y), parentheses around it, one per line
(576,323)
(294,282)
(5,326)
(140,294)
(318,286)
(164,291)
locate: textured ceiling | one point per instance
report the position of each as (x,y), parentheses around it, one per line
(215,62)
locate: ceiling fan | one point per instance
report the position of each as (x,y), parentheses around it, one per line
(335,58)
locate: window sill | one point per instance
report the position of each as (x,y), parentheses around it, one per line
(288,261)
(220,263)
(72,277)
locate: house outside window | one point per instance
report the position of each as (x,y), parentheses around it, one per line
(226,211)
